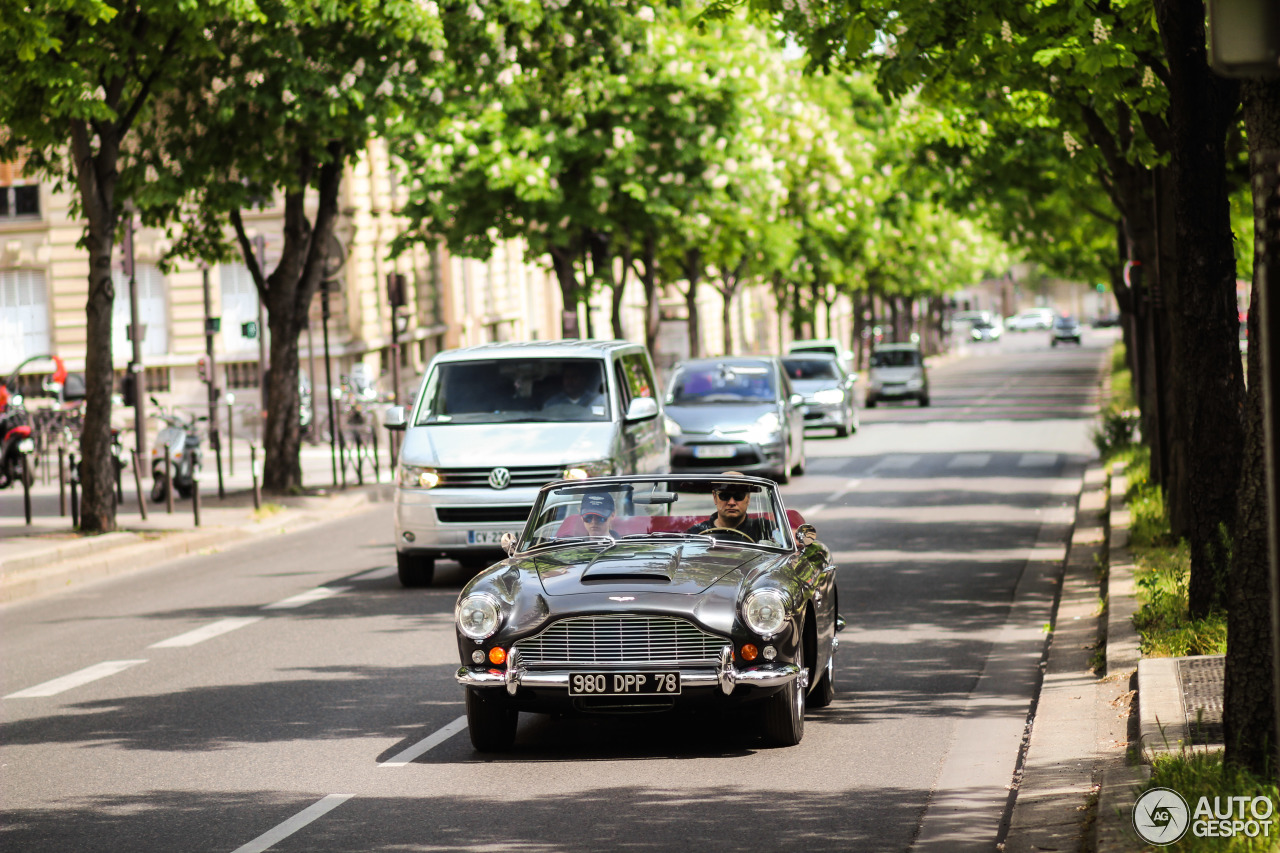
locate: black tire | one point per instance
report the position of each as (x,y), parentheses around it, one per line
(415,570)
(924,401)
(824,692)
(871,402)
(783,715)
(183,491)
(159,488)
(842,431)
(798,468)
(491,721)
(474,564)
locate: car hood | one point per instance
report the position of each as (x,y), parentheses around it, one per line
(727,417)
(686,568)
(809,387)
(486,445)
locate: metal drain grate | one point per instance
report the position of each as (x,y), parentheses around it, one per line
(1201,678)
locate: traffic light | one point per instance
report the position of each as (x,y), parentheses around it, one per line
(129,388)
(202,368)
(249,329)
(1100,287)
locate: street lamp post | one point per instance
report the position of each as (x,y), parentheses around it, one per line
(136,331)
(211,326)
(328,378)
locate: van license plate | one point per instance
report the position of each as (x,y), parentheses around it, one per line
(715,451)
(624,683)
(483,537)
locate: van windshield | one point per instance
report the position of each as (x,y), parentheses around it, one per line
(895,358)
(515,391)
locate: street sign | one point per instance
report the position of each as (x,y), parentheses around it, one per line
(249,329)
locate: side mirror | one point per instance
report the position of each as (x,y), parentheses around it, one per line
(806,534)
(641,408)
(509,541)
(394,419)
(796,400)
(853,378)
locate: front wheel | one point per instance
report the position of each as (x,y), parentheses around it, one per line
(415,570)
(824,692)
(924,400)
(491,721)
(159,487)
(871,402)
(783,715)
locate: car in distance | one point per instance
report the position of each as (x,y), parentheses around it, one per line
(978,325)
(829,391)
(737,413)
(829,346)
(983,330)
(897,373)
(1031,320)
(1066,330)
(494,423)
(623,595)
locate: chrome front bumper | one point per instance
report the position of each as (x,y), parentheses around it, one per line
(725,675)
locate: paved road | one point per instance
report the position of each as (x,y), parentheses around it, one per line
(289,696)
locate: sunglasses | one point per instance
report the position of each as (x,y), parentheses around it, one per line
(732,494)
(592,518)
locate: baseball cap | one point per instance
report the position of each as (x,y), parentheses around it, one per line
(597,502)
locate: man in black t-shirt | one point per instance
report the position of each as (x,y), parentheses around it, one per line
(733,500)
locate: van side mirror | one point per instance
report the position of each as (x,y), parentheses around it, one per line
(641,408)
(394,418)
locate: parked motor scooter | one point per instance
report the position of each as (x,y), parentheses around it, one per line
(180,441)
(16,442)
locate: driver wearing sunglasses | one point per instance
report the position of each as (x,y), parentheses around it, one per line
(732,502)
(597,511)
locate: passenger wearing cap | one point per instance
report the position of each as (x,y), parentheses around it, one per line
(733,500)
(597,514)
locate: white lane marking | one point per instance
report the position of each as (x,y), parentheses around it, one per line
(316,810)
(834,496)
(427,743)
(1038,460)
(895,462)
(307,597)
(208,632)
(812,511)
(970,460)
(376,574)
(75,679)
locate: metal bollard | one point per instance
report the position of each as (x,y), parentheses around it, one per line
(27,477)
(342,456)
(137,484)
(253,472)
(62,481)
(168,481)
(195,495)
(373,434)
(359,459)
(75,494)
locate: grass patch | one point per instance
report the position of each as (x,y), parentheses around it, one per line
(1198,774)
(266,511)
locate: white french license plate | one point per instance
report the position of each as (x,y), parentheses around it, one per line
(714,451)
(483,537)
(624,683)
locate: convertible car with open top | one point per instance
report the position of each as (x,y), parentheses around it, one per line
(648,594)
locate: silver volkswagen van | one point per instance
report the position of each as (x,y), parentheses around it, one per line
(494,423)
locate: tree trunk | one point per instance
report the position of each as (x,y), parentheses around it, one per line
(562,260)
(619,289)
(1249,696)
(1205,328)
(693,275)
(95,176)
(652,304)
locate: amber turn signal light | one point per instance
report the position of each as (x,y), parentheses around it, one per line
(749,652)
(497,655)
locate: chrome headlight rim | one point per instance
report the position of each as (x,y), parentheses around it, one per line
(486,604)
(764,611)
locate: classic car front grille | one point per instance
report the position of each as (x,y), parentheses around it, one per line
(621,639)
(483,514)
(478,478)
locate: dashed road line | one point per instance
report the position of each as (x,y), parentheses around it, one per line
(970,460)
(303,598)
(428,743)
(208,632)
(75,679)
(1038,460)
(376,574)
(312,812)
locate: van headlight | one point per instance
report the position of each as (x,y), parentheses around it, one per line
(829,396)
(673,428)
(765,610)
(585,470)
(478,616)
(418,477)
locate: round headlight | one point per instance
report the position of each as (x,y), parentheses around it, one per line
(478,616)
(764,611)
(769,422)
(672,428)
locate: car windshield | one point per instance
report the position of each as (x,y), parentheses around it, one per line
(810,368)
(895,358)
(653,508)
(722,383)
(515,391)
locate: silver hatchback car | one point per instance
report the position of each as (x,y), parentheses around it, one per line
(492,424)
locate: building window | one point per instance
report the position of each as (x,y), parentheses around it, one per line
(157,379)
(24,316)
(152,313)
(243,374)
(239,306)
(20,202)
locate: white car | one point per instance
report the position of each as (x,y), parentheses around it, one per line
(1029,321)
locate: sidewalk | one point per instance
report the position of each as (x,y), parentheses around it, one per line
(49,555)
(1088,753)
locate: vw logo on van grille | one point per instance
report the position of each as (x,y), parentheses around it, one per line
(499,478)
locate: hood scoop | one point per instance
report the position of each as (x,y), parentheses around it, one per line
(612,567)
